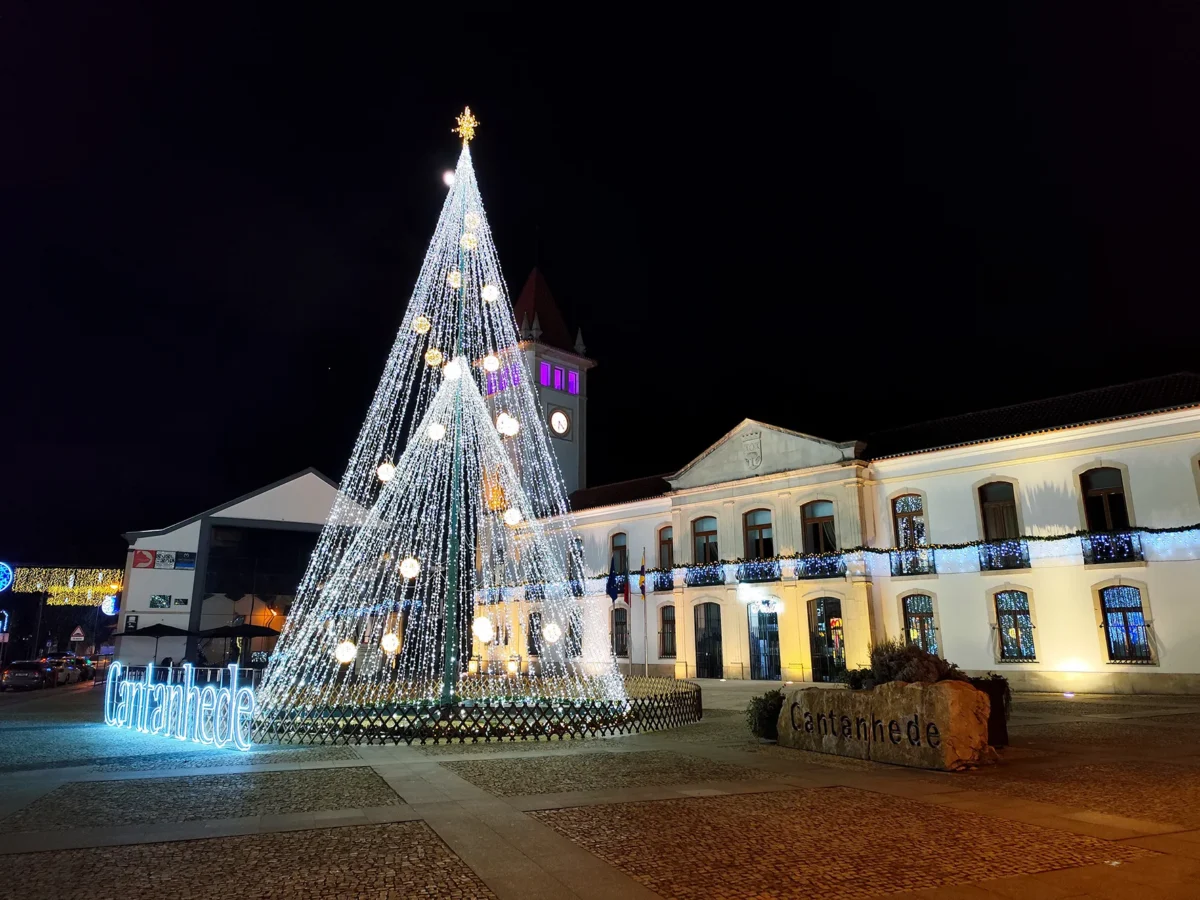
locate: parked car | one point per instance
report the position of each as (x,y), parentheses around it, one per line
(27,675)
(87,668)
(65,670)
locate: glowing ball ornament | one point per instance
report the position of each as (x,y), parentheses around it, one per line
(468,241)
(345,652)
(421,325)
(512,516)
(108,605)
(491,293)
(386,471)
(433,357)
(448,178)
(507,425)
(491,363)
(454,369)
(436,431)
(454,279)
(390,643)
(472,221)
(552,633)
(409,567)
(483,629)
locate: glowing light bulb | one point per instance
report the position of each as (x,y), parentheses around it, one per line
(345,652)
(514,665)
(409,567)
(491,362)
(436,431)
(472,221)
(491,293)
(386,471)
(454,279)
(468,241)
(390,643)
(507,425)
(551,633)
(483,629)
(512,516)
(453,369)
(448,178)
(433,357)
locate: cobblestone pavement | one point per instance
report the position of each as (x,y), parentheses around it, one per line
(794,845)
(163,800)
(594,772)
(377,861)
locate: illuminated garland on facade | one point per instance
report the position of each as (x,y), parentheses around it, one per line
(69,587)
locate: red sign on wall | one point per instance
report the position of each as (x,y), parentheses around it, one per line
(143,559)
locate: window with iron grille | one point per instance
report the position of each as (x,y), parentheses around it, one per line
(1015,625)
(666,637)
(1125,629)
(533,636)
(620,632)
(919,629)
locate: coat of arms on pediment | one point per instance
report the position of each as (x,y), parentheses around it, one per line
(752,449)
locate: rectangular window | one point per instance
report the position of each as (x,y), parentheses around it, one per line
(544,374)
(1104,500)
(704,536)
(998,506)
(620,553)
(919,630)
(666,637)
(1015,625)
(572,382)
(1125,628)
(559,379)
(908,516)
(620,632)
(760,541)
(818,527)
(666,549)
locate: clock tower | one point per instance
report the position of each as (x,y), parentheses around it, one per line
(559,370)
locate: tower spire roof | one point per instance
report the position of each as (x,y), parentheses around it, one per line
(537,303)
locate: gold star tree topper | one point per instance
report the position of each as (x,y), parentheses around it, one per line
(467,124)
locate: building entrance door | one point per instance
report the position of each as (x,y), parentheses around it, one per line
(764,642)
(708,641)
(825,633)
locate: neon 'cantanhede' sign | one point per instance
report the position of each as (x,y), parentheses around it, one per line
(206,713)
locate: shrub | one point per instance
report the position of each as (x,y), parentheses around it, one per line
(895,660)
(995,686)
(857,679)
(762,714)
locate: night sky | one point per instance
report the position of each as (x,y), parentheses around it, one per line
(209,227)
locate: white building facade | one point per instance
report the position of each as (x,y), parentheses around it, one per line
(1066,557)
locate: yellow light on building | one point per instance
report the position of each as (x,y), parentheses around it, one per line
(345,652)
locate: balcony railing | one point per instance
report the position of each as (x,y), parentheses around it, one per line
(1116,547)
(535,592)
(913,561)
(827,565)
(996,556)
(706,575)
(664,581)
(666,645)
(758,570)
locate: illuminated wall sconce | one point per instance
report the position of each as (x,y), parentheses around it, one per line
(473,665)
(514,665)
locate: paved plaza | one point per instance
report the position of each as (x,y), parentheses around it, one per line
(1097,797)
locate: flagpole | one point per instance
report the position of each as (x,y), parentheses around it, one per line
(645,622)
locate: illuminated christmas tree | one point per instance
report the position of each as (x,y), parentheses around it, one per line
(447,579)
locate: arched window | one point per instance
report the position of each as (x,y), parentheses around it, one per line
(666,548)
(908,517)
(666,633)
(1015,625)
(998,508)
(704,536)
(919,630)
(817,518)
(620,632)
(760,540)
(1125,629)
(620,553)
(1104,500)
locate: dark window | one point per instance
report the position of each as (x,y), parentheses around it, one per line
(1125,629)
(534,634)
(666,548)
(574,636)
(666,637)
(825,635)
(760,541)
(919,629)
(1015,625)
(818,526)
(620,553)
(908,516)
(998,505)
(1104,500)
(620,632)
(704,533)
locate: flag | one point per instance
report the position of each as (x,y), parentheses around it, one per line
(642,575)
(611,587)
(627,585)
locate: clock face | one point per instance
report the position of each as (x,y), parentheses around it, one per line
(559,421)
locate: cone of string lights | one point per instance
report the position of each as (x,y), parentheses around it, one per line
(444,598)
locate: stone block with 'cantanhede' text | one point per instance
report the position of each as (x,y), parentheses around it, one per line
(930,726)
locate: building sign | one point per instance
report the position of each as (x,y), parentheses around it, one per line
(160,601)
(77,635)
(164,559)
(185,560)
(752,449)
(931,726)
(131,623)
(143,559)
(217,715)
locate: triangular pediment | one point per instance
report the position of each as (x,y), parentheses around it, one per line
(753,449)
